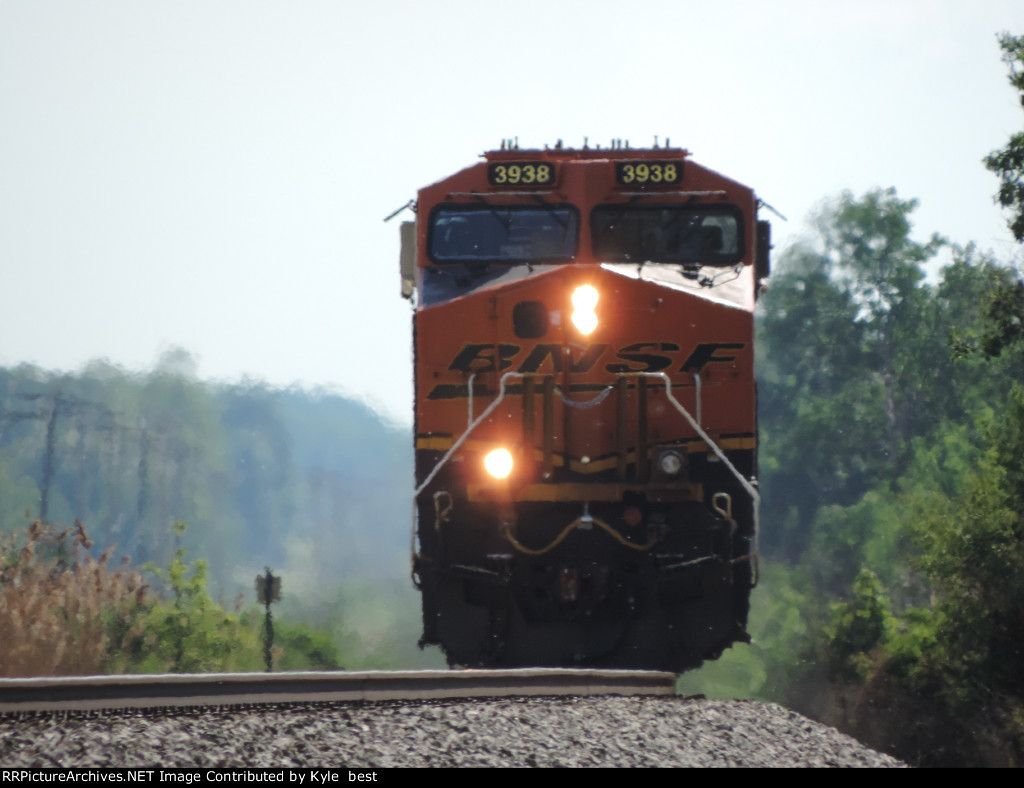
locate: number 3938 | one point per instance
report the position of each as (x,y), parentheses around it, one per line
(521,174)
(649,172)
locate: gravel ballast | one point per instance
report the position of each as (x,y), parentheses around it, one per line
(545,732)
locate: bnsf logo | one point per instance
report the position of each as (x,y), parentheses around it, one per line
(638,357)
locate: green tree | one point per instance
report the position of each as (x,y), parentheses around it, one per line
(973,552)
(858,627)
(851,367)
(1006,308)
(1008,163)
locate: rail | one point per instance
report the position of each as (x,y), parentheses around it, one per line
(26,695)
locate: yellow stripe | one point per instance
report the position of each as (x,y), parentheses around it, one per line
(445,442)
(434,443)
(595,466)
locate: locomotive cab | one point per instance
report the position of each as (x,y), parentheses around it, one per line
(585,411)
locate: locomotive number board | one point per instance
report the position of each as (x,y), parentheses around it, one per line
(648,173)
(522,173)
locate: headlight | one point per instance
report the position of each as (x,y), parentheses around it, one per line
(584,300)
(671,463)
(498,463)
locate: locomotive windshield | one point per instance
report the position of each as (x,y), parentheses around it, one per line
(483,234)
(668,234)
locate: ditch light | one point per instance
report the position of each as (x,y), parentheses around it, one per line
(498,463)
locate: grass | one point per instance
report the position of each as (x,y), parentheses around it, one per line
(62,611)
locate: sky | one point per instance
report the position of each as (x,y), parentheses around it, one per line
(213,175)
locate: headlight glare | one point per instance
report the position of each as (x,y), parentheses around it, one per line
(498,463)
(585,297)
(584,301)
(585,322)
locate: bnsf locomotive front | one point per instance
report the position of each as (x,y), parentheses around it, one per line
(586,434)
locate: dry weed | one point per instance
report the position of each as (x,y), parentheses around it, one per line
(63,612)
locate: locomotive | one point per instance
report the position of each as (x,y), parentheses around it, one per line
(585,408)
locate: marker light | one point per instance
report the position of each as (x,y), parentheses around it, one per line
(671,463)
(498,463)
(584,299)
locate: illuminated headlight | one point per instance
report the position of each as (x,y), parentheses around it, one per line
(498,463)
(584,300)
(671,463)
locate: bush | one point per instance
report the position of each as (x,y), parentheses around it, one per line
(191,633)
(62,612)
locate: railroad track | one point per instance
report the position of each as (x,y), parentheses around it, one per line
(217,689)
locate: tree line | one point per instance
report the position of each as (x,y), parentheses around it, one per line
(311,483)
(892,469)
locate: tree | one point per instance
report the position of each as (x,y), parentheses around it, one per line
(857,628)
(1006,309)
(1008,163)
(854,360)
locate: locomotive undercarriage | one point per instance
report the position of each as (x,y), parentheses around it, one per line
(615,584)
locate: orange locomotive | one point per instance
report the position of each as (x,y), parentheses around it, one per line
(586,429)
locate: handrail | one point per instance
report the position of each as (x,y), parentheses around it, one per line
(694,424)
(473,424)
(696,385)
(755,496)
(462,438)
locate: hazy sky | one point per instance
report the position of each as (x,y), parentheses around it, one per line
(213,174)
